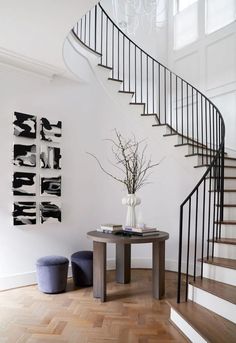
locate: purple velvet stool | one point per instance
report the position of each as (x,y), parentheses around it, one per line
(52,273)
(82,268)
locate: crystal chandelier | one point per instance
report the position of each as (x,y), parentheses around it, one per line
(133,14)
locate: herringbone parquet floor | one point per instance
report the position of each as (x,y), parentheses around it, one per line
(130,315)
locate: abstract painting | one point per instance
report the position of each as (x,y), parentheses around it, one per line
(24,155)
(50,132)
(24,213)
(24,183)
(50,212)
(24,125)
(51,186)
(50,157)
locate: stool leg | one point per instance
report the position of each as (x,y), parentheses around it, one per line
(99,270)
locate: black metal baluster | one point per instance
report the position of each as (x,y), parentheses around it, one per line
(170,101)
(182,109)
(89,28)
(135,72)
(197,114)
(180,253)
(209,214)
(165,98)
(188,247)
(101,37)
(107,41)
(113,52)
(153,86)
(193,136)
(187,113)
(85,28)
(147,80)
(118,55)
(195,238)
(95,29)
(214,209)
(159,88)
(141,70)
(202,128)
(176,102)
(203,224)
(123,63)
(129,65)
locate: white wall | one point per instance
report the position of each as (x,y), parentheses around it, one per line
(209,63)
(89,113)
(34,31)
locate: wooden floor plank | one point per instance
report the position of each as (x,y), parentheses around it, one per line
(130,315)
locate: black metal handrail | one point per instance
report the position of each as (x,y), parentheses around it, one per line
(188,113)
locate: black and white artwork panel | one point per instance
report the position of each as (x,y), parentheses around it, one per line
(24,183)
(24,155)
(50,186)
(50,212)
(24,213)
(50,157)
(24,125)
(50,132)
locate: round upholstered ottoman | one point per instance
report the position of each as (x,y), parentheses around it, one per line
(82,268)
(52,273)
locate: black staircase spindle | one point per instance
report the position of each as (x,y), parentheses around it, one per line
(113,52)
(135,73)
(188,247)
(187,108)
(182,109)
(176,103)
(129,66)
(159,88)
(147,80)
(203,224)
(171,101)
(89,28)
(118,55)
(141,71)
(123,63)
(195,238)
(165,97)
(209,214)
(197,120)
(102,37)
(153,86)
(180,253)
(85,28)
(107,41)
(95,29)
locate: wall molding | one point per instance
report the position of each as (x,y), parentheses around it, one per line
(21,62)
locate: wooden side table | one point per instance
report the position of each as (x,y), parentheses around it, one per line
(123,260)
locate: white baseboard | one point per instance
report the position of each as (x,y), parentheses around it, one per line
(26,279)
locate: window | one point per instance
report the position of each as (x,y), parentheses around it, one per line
(219,13)
(185,22)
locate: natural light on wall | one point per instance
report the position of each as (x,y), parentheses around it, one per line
(185,22)
(219,13)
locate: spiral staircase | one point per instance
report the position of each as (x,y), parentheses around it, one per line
(205,308)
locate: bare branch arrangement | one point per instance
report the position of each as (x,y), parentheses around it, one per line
(130,161)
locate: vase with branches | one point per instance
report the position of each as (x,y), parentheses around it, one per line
(133,169)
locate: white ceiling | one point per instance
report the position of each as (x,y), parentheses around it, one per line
(33,31)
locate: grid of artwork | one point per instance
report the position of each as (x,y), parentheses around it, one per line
(24,183)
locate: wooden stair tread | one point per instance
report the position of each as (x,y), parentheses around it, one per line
(126,92)
(221,262)
(219,289)
(226,222)
(231,241)
(104,66)
(112,79)
(207,155)
(212,327)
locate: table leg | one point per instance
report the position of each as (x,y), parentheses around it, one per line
(123,253)
(99,270)
(158,269)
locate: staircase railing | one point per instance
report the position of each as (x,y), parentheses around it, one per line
(187,112)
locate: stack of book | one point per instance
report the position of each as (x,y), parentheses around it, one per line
(144,231)
(110,228)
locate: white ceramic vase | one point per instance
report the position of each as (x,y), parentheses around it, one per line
(131,200)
